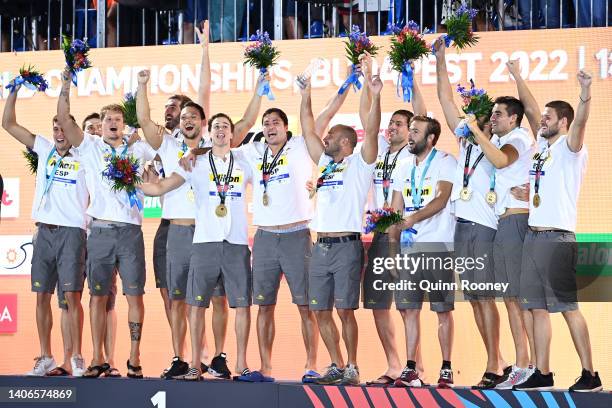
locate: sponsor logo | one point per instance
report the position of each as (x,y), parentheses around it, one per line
(8,313)
(10,198)
(15,254)
(152,207)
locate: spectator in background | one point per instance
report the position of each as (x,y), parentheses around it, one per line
(351,15)
(194,14)
(539,14)
(584,16)
(289,20)
(226,20)
(111,22)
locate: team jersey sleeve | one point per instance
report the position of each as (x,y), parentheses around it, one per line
(399,174)
(42,146)
(447,169)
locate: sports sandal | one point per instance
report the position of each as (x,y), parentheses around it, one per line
(58,372)
(133,370)
(193,374)
(112,372)
(96,371)
(381,381)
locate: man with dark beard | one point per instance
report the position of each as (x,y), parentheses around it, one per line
(548,279)
(476,223)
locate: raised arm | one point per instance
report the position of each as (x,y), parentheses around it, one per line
(204,87)
(9,121)
(443,192)
(249,117)
(152,132)
(154,187)
(500,158)
(365,100)
(72,131)
(575,136)
(418,102)
(532,110)
(313,141)
(445,92)
(332,107)
(369,148)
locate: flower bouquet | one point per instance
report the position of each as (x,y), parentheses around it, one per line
(128,105)
(122,172)
(381,218)
(459,28)
(261,55)
(407,44)
(32,159)
(475,102)
(75,52)
(358,44)
(30,78)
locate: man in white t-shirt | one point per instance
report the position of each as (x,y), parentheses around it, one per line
(337,257)
(116,239)
(476,222)
(220,240)
(60,201)
(511,160)
(548,279)
(422,186)
(392,148)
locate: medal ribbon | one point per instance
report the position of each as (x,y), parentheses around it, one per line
(386,178)
(330,168)
(416,194)
(221,189)
(538,169)
(266,169)
(467,171)
(49,177)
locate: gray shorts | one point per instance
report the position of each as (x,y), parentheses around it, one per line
(178,255)
(508,252)
(372,298)
(548,278)
(159,254)
(335,275)
(110,302)
(438,291)
(281,253)
(58,258)
(120,247)
(474,241)
(213,261)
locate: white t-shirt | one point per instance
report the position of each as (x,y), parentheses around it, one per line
(105,203)
(559,185)
(476,209)
(515,174)
(342,197)
(178,203)
(378,199)
(288,200)
(67,197)
(439,228)
(210,227)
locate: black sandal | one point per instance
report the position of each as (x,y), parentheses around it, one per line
(134,369)
(96,371)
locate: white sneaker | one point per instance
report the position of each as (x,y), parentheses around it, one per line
(43,365)
(517,376)
(78,366)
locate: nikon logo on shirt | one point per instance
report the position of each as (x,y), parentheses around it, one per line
(282,161)
(425,192)
(381,166)
(64,165)
(233,179)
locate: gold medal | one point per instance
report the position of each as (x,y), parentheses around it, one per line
(491,198)
(191,196)
(465,194)
(265,199)
(536,200)
(221,210)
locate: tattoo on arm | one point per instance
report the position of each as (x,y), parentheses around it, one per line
(135,330)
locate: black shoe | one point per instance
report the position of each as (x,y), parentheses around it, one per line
(176,369)
(587,383)
(218,367)
(537,382)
